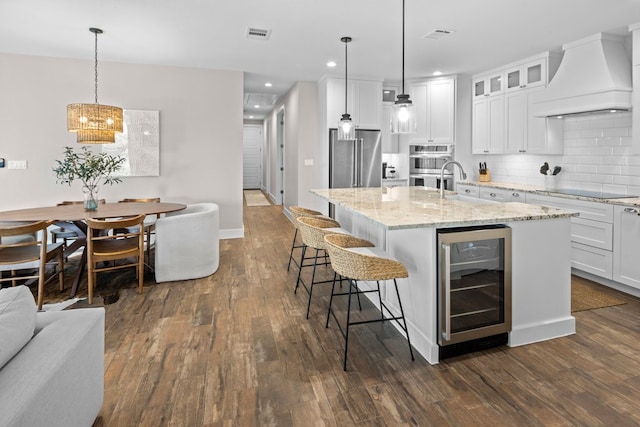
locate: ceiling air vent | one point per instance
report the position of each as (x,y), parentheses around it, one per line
(438,34)
(258,34)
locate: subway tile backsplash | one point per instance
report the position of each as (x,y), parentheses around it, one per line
(597,157)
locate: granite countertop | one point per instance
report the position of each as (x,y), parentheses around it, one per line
(417,207)
(627,201)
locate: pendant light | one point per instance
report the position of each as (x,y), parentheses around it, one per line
(346,128)
(403,117)
(94,123)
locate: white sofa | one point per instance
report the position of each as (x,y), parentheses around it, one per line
(187,243)
(57,377)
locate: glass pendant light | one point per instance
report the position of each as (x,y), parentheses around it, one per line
(403,117)
(346,127)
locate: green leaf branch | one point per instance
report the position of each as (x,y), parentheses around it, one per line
(88,167)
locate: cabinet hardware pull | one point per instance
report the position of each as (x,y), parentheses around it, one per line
(485,151)
(631,210)
(467,191)
(492,194)
(515,194)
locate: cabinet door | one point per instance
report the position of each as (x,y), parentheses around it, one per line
(497,195)
(535,73)
(495,84)
(626,268)
(496,124)
(480,126)
(514,79)
(516,122)
(468,190)
(441,111)
(389,140)
(419,95)
(480,87)
(367,103)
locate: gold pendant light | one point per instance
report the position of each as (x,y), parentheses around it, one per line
(94,123)
(403,117)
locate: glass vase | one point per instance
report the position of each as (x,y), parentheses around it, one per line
(90,193)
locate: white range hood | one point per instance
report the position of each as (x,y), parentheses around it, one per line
(594,75)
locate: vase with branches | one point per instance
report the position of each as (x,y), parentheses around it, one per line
(90,168)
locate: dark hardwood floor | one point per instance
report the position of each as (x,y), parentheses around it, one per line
(235,349)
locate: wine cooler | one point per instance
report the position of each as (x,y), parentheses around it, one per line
(474,298)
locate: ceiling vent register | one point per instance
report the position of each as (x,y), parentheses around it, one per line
(258,34)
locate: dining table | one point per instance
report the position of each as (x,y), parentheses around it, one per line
(72,217)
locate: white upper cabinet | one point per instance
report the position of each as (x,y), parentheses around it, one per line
(488,85)
(434,102)
(507,126)
(364,103)
(527,75)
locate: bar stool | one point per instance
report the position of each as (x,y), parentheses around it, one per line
(313,229)
(298,211)
(354,259)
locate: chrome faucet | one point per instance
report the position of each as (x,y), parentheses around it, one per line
(463,175)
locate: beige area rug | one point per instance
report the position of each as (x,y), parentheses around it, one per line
(586,298)
(255,198)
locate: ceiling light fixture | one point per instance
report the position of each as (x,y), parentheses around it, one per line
(437,73)
(268,84)
(346,129)
(94,123)
(403,119)
(331,64)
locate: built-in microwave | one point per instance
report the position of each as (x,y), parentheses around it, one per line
(429,158)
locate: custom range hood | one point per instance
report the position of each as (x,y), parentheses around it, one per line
(594,75)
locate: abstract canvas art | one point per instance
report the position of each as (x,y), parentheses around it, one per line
(139,144)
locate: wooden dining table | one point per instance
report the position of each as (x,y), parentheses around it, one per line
(72,217)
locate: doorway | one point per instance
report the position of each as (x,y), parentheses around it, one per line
(252,157)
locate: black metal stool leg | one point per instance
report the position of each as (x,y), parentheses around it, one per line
(346,336)
(293,245)
(313,279)
(380,300)
(404,320)
(333,287)
(304,249)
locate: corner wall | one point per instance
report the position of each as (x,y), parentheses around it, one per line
(200,130)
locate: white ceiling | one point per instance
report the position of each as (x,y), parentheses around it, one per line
(305,34)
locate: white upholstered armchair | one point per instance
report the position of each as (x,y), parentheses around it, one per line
(187,243)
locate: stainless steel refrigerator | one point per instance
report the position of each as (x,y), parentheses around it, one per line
(355,163)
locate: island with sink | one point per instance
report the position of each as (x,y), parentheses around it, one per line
(406,222)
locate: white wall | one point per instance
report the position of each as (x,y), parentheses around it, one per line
(300,134)
(597,157)
(200,130)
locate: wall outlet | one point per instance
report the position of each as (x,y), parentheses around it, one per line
(17,164)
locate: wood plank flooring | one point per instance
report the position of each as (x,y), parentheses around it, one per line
(235,349)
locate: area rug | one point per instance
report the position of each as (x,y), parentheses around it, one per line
(587,298)
(255,198)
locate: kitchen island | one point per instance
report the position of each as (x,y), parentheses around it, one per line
(404,222)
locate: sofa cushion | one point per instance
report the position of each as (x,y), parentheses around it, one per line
(17,321)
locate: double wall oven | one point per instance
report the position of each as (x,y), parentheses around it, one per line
(425,163)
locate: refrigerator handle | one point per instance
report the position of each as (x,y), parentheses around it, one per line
(446,249)
(360,161)
(354,169)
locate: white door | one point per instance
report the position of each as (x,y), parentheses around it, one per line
(252,157)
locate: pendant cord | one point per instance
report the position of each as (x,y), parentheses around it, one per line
(403,47)
(346,64)
(96,67)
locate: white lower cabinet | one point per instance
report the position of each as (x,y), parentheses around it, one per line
(626,246)
(497,195)
(467,190)
(591,233)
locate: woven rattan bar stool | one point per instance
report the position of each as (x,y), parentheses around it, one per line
(355,260)
(296,212)
(313,230)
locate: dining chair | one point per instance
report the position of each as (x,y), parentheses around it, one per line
(23,246)
(149,222)
(126,241)
(63,232)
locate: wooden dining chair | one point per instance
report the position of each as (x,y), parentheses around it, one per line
(149,222)
(125,242)
(24,247)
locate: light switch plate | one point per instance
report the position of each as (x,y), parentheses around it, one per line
(17,164)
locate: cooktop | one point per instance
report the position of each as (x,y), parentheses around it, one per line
(594,194)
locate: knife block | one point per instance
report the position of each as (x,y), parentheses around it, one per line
(484,177)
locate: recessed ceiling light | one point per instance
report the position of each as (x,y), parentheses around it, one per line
(613,111)
(386,91)
(268,84)
(251,117)
(331,64)
(256,106)
(437,73)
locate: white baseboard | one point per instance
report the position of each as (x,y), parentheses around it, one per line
(233,233)
(529,334)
